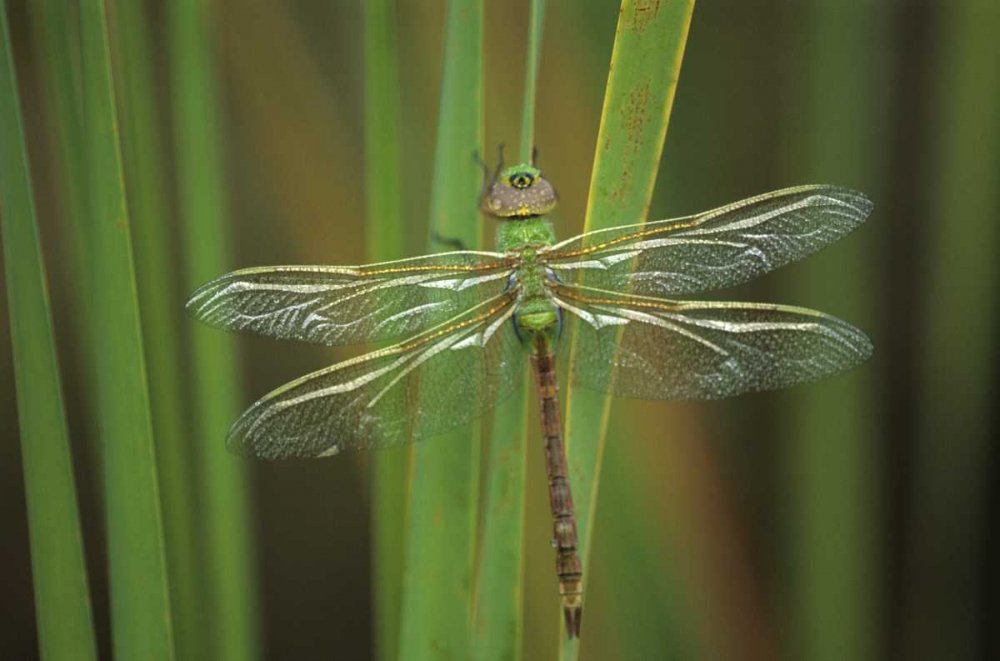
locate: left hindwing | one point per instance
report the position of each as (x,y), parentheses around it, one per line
(651,348)
(428,384)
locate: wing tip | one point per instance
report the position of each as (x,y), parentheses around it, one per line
(864,346)
(859,202)
(194,305)
(246,439)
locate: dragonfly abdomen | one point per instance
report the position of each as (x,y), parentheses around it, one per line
(568,565)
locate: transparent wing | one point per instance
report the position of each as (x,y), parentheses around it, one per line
(662,349)
(715,249)
(353,304)
(438,380)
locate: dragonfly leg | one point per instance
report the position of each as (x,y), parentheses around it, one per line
(447,241)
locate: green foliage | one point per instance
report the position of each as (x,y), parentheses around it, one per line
(386,240)
(62,600)
(759,527)
(959,324)
(140,608)
(441,531)
(836,605)
(158,287)
(214,391)
(499,607)
(645,65)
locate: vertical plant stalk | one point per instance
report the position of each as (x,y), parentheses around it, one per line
(645,66)
(536,28)
(499,607)
(441,533)
(832,135)
(958,357)
(140,604)
(59,573)
(229,560)
(386,240)
(157,278)
(56,37)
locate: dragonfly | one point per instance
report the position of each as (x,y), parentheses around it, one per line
(468,323)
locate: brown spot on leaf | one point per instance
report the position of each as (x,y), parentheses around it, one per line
(644,14)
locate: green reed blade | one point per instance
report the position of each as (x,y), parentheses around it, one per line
(59,574)
(386,241)
(56,41)
(958,352)
(158,282)
(140,605)
(499,607)
(832,135)
(231,611)
(441,533)
(645,66)
(536,27)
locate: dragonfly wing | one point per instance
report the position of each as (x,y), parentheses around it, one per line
(663,349)
(715,249)
(438,380)
(351,305)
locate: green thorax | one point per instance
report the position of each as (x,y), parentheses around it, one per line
(513,235)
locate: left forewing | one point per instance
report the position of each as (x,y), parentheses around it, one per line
(650,348)
(711,250)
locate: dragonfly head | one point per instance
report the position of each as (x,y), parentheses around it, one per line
(517,192)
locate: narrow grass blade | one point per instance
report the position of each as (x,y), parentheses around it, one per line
(499,607)
(157,279)
(140,605)
(59,574)
(958,374)
(536,27)
(441,534)
(231,611)
(645,66)
(56,41)
(832,136)
(386,241)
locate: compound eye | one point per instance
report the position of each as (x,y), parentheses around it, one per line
(521,180)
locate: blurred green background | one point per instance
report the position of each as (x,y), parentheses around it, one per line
(856,518)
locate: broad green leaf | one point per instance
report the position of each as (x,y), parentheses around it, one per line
(441,530)
(645,66)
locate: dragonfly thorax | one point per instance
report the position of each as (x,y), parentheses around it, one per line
(537,314)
